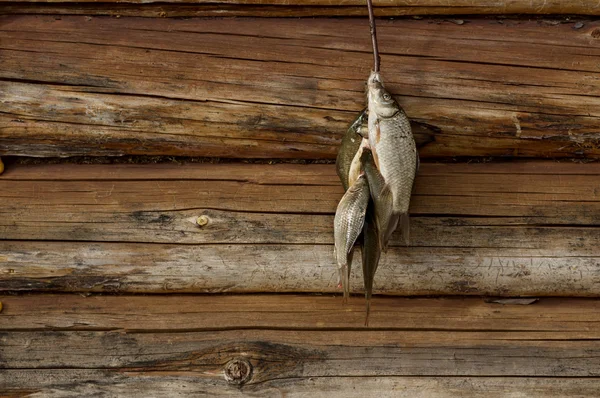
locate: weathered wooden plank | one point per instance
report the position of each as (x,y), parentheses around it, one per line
(286,173)
(518,230)
(143,268)
(187,8)
(210,312)
(78,383)
(198,87)
(275,354)
(129,206)
(184,345)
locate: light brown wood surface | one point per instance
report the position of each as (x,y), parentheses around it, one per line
(178,313)
(505,229)
(77,383)
(287,88)
(299,8)
(67,345)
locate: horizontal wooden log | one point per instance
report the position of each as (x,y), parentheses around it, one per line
(516,191)
(297,8)
(574,317)
(275,354)
(143,268)
(287,88)
(151,346)
(78,383)
(504,229)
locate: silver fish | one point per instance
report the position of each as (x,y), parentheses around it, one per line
(371,251)
(393,146)
(348,224)
(384,217)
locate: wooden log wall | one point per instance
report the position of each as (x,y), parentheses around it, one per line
(298,8)
(206,277)
(500,229)
(287,88)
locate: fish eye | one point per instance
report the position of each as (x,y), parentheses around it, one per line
(387,97)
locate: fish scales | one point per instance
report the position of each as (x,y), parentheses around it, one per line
(394,148)
(397,157)
(348,224)
(384,217)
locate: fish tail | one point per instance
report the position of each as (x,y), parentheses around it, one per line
(346,283)
(405,225)
(346,275)
(368,297)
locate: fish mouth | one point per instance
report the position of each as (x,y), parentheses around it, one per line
(374,80)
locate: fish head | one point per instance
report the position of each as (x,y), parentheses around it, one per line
(358,123)
(380,100)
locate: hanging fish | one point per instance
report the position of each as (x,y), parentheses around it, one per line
(348,224)
(348,157)
(386,220)
(371,251)
(393,146)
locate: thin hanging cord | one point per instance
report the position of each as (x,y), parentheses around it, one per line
(373,36)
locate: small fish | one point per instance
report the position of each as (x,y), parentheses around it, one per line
(347,154)
(393,146)
(348,224)
(371,251)
(384,217)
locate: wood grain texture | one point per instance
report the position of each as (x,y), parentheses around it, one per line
(144,268)
(66,345)
(77,383)
(287,88)
(176,313)
(304,354)
(298,8)
(504,229)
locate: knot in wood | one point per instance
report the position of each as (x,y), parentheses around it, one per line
(202,221)
(238,371)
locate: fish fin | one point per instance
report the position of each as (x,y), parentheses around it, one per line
(414,186)
(418,163)
(370,256)
(342,276)
(345,284)
(365,143)
(347,274)
(386,198)
(392,225)
(376,139)
(377,132)
(405,225)
(375,157)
